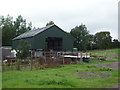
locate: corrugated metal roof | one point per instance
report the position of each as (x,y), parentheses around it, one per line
(32,33)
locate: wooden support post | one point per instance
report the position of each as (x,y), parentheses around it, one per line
(63,58)
(81,57)
(45,54)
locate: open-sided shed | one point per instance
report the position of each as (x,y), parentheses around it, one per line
(48,38)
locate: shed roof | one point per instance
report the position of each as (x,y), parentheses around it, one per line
(32,33)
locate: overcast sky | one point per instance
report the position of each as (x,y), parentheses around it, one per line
(97,15)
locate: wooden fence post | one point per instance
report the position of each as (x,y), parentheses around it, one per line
(81,56)
(18,64)
(31,63)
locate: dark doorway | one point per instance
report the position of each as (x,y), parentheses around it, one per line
(54,43)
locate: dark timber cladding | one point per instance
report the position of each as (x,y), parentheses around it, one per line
(54,43)
(48,38)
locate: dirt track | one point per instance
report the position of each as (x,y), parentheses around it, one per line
(113,65)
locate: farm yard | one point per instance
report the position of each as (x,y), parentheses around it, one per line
(80,75)
(74,49)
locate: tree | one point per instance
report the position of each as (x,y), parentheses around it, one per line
(103,40)
(90,45)
(29,26)
(115,43)
(11,29)
(8,31)
(81,35)
(23,49)
(50,23)
(20,25)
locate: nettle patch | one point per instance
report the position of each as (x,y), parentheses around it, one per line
(48,81)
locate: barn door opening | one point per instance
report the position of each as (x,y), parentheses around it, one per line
(54,43)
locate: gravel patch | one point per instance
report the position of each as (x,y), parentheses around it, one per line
(94,74)
(116,59)
(116,86)
(113,65)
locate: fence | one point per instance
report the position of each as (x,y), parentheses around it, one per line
(49,59)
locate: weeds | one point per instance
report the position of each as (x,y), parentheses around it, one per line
(105,69)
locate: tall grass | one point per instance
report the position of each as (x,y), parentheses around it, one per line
(65,76)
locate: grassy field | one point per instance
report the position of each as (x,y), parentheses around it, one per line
(81,75)
(0,80)
(66,76)
(109,53)
(0,76)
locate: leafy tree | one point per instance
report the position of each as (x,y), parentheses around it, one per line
(23,49)
(20,25)
(115,43)
(29,26)
(11,29)
(50,23)
(90,45)
(81,35)
(103,40)
(8,31)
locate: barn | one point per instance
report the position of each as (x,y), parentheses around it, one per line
(47,38)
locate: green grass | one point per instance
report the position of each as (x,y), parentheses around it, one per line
(107,50)
(0,76)
(80,75)
(109,53)
(101,61)
(0,80)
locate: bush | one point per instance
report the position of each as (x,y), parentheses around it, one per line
(105,69)
(23,49)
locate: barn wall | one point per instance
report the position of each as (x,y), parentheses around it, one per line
(53,32)
(38,41)
(15,43)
